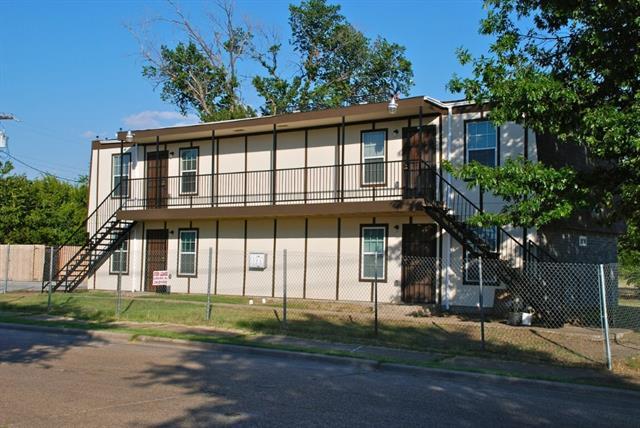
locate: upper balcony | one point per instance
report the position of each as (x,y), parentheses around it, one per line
(364,188)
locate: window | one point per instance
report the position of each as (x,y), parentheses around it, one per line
(120,258)
(373,157)
(188,170)
(472,265)
(120,177)
(373,252)
(482,143)
(187,252)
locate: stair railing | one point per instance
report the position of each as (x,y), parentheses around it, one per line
(86,232)
(461,209)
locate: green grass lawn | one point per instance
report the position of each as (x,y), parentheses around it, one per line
(336,321)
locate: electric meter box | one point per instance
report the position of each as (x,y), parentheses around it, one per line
(257,261)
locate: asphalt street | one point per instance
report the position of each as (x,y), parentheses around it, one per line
(74,380)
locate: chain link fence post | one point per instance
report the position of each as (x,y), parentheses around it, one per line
(6,272)
(207,315)
(119,287)
(481,303)
(50,287)
(375,299)
(604,315)
(284,288)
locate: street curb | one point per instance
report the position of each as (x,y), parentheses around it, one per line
(372,365)
(359,363)
(250,349)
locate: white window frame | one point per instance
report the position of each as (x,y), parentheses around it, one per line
(468,140)
(184,172)
(123,248)
(194,253)
(123,191)
(377,158)
(364,253)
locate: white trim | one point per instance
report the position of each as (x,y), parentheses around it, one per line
(495,142)
(377,159)
(194,252)
(183,172)
(363,253)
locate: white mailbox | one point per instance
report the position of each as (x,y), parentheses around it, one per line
(257,261)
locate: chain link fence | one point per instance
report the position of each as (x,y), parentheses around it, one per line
(557,312)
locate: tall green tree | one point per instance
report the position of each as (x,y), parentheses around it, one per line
(41,211)
(201,74)
(337,63)
(568,69)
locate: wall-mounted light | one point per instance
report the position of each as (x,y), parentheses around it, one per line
(172,153)
(393,104)
(396,132)
(129,137)
(171,232)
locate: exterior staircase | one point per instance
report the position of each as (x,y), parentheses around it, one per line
(101,233)
(516,264)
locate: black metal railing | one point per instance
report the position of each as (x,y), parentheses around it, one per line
(457,208)
(316,184)
(93,229)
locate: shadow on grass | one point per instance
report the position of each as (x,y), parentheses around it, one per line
(429,336)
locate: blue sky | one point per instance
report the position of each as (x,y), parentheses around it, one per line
(71,70)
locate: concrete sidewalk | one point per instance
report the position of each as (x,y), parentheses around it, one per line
(204,336)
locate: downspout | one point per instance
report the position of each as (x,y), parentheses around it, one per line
(447,252)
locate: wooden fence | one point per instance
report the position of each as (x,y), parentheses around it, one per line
(30,263)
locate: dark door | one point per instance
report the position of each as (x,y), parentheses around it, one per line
(156,255)
(157,172)
(419,182)
(419,263)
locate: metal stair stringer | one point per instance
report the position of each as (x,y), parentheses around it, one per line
(100,233)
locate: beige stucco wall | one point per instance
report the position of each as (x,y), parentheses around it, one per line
(321,261)
(234,275)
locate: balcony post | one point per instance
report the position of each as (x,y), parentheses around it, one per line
(342,160)
(121,171)
(157,172)
(306,163)
(273,165)
(213,171)
(421,182)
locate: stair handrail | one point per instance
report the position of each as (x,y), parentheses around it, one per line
(541,250)
(525,252)
(82,226)
(92,268)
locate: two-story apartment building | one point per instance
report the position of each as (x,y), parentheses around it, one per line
(358,192)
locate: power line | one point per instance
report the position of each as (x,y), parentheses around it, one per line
(40,170)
